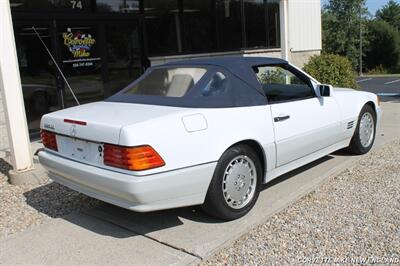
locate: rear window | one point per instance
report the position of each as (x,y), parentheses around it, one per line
(168,82)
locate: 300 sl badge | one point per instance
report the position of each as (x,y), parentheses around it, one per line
(49,126)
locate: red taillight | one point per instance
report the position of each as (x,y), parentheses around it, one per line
(132,158)
(49,140)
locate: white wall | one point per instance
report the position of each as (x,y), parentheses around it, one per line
(304,25)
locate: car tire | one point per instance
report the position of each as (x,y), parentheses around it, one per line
(235,185)
(365,132)
(39,103)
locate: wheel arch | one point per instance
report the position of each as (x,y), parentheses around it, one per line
(258,149)
(355,145)
(372,104)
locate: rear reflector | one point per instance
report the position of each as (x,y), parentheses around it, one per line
(49,140)
(132,158)
(76,122)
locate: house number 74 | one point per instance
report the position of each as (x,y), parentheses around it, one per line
(76,4)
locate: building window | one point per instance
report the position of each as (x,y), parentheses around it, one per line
(162,26)
(228,24)
(38,73)
(192,26)
(273,24)
(30,5)
(123,55)
(119,6)
(198,25)
(261,23)
(255,26)
(175,26)
(75,6)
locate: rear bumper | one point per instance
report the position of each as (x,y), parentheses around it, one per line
(178,188)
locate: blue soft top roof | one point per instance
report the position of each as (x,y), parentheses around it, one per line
(238,65)
(243,88)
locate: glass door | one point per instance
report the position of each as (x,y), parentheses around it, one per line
(37,70)
(123,54)
(99,58)
(81,61)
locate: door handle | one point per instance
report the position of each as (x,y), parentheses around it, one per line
(281,118)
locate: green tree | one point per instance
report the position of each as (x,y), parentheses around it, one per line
(341,28)
(390,13)
(384,46)
(332,69)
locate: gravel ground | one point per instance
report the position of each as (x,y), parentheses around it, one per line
(25,206)
(353,218)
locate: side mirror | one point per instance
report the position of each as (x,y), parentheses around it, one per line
(325,90)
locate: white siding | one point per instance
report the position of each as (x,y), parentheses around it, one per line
(304,25)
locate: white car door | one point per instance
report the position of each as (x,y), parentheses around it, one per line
(303,122)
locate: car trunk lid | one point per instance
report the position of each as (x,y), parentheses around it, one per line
(82,130)
(101,121)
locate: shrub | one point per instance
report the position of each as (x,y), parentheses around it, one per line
(332,69)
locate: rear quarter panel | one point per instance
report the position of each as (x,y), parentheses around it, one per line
(180,148)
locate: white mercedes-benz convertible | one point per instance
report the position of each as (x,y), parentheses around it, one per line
(207,131)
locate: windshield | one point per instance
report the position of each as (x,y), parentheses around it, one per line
(169,82)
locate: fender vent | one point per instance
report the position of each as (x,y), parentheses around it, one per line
(350,125)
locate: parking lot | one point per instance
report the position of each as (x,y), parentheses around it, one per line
(383,85)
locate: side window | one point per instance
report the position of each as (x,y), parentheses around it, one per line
(280,84)
(216,86)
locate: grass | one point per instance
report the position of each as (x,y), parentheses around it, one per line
(368,75)
(380,71)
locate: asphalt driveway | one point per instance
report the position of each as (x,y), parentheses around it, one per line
(383,86)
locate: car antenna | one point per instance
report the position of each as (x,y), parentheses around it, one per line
(54,61)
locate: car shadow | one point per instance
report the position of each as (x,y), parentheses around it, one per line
(147,223)
(56,201)
(297,171)
(98,226)
(344,153)
(99,216)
